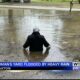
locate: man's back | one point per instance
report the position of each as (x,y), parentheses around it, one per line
(35,42)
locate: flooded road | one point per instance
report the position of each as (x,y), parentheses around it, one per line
(60,28)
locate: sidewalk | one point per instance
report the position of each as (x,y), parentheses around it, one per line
(38,6)
(63,4)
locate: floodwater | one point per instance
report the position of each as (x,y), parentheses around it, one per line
(60,28)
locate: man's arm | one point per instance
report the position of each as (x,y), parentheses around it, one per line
(26,44)
(46,44)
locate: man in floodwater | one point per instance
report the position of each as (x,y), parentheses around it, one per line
(35,42)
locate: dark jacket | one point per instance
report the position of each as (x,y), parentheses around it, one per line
(35,42)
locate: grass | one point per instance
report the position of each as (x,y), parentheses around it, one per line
(52,1)
(59,3)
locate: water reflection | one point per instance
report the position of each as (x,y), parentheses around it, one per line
(58,27)
(71,35)
(9,34)
(36,56)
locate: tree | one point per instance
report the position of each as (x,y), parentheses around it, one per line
(79,1)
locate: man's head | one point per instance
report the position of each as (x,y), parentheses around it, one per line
(36,30)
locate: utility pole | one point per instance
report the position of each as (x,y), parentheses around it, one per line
(73,2)
(71,5)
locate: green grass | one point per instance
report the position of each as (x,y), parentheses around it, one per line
(52,1)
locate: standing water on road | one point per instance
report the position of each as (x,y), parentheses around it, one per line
(61,29)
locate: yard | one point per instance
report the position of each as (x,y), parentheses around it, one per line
(52,1)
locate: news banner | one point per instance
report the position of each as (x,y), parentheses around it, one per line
(39,65)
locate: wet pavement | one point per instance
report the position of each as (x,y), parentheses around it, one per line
(60,28)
